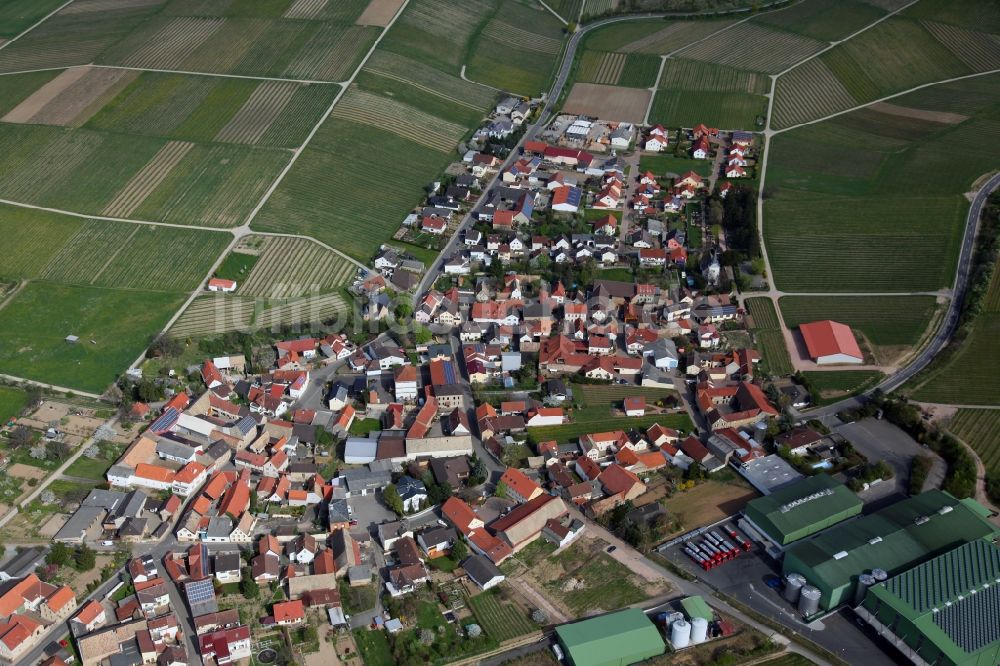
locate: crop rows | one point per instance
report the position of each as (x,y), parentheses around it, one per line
(687,108)
(605,68)
(305,9)
(36,234)
(212,314)
(519,38)
(501,621)
(885,320)
(762,311)
(148,179)
(308,310)
(83,256)
(421,32)
(980,429)
(291,267)
(569,10)
(258,113)
(750,46)
(978,50)
(164,259)
(822,20)
(773,352)
(693,75)
(674,36)
(598,7)
(970,376)
(429,80)
(808,92)
(400,119)
(171,45)
(332,53)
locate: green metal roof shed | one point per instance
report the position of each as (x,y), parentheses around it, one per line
(944,611)
(803,508)
(696,607)
(894,539)
(616,639)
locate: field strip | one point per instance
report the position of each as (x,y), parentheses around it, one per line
(506,33)
(258,113)
(465,78)
(38,23)
(304,9)
(886,98)
(175,41)
(312,133)
(553,12)
(426,89)
(114,254)
(148,179)
(36,101)
(849,37)
(187,72)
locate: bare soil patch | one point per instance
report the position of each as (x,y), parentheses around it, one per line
(53,525)
(608,102)
(379,12)
(22,471)
(71,98)
(920,114)
(708,503)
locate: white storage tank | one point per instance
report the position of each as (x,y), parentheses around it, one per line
(880,575)
(809,600)
(680,634)
(793,585)
(699,630)
(674,617)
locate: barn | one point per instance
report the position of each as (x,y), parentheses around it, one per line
(830,342)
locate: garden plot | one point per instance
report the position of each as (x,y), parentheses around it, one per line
(378,12)
(258,113)
(148,179)
(808,92)
(70,98)
(754,47)
(401,119)
(170,45)
(613,103)
(290,267)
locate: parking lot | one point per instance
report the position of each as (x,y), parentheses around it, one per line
(745,579)
(369,511)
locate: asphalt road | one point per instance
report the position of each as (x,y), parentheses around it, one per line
(948,326)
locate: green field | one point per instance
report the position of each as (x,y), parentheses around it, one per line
(755,47)
(774,358)
(970,375)
(662,163)
(763,313)
(419,32)
(847,193)
(517,49)
(606,583)
(837,383)
(883,320)
(653,36)
(119,322)
(980,429)
(373,646)
(18,15)
(821,19)
(206,108)
(16,87)
(687,108)
(94,468)
(12,401)
(236,266)
(502,621)
(601,394)
(634,70)
(599,420)
(569,10)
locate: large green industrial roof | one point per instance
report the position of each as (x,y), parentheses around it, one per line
(798,506)
(954,599)
(600,640)
(905,533)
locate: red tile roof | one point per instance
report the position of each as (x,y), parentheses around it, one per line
(825,338)
(288,611)
(517,481)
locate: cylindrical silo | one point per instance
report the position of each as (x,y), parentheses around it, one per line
(699,630)
(864,582)
(793,585)
(809,600)
(880,575)
(680,634)
(674,617)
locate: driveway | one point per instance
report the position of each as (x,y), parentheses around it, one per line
(368,510)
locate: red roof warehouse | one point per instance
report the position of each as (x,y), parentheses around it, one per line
(831,342)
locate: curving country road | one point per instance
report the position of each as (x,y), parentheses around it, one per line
(947,327)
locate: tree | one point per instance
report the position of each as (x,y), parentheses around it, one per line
(477,471)
(248,586)
(426,636)
(58,449)
(459,551)
(474,631)
(538,616)
(93,451)
(38,452)
(422,335)
(392,500)
(47,496)
(58,555)
(20,437)
(84,559)
(715,212)
(501,491)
